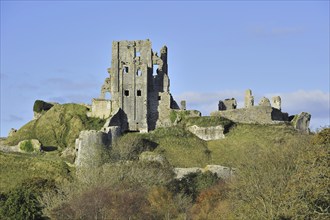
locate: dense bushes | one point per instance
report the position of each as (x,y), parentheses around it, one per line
(22,202)
(40,106)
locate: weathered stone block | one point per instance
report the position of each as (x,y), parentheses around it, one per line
(264,102)
(208,133)
(301,122)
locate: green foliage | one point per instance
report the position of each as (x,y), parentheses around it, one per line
(193,183)
(27,146)
(16,168)
(22,202)
(180,147)
(322,137)
(40,106)
(130,146)
(173,116)
(59,126)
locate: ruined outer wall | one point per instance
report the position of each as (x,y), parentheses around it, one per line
(101,108)
(254,114)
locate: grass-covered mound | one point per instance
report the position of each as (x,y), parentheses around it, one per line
(180,147)
(244,138)
(58,127)
(16,168)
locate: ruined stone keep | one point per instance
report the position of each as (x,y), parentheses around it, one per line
(139,86)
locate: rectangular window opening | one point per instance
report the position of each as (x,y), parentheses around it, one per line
(159,97)
(137,54)
(155,70)
(126,93)
(138,93)
(125,69)
(139,72)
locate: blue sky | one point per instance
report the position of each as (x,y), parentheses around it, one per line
(60,51)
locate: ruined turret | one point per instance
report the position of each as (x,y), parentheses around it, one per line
(139,85)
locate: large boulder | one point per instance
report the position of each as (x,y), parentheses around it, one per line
(208,133)
(149,156)
(301,122)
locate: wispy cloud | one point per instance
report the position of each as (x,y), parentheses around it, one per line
(13,118)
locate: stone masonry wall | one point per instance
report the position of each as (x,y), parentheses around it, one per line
(254,114)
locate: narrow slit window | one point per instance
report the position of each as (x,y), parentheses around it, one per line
(159,97)
(138,93)
(126,93)
(125,69)
(139,72)
(155,70)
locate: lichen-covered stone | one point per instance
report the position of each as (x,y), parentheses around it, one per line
(264,102)
(90,148)
(249,99)
(276,102)
(149,156)
(301,122)
(220,171)
(254,114)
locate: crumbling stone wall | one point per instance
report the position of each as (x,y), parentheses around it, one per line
(101,108)
(254,114)
(227,104)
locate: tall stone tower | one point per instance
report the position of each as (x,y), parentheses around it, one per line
(139,86)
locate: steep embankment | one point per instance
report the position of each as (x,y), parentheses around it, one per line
(57,127)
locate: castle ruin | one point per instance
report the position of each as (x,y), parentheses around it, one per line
(139,86)
(140,101)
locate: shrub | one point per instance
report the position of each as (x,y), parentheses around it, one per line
(193,183)
(22,202)
(40,106)
(129,147)
(322,137)
(27,146)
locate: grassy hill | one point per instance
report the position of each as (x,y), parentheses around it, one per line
(270,161)
(57,127)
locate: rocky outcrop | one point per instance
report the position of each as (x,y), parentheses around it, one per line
(221,171)
(301,122)
(208,133)
(149,156)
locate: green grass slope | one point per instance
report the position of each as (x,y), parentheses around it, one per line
(17,167)
(58,127)
(183,149)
